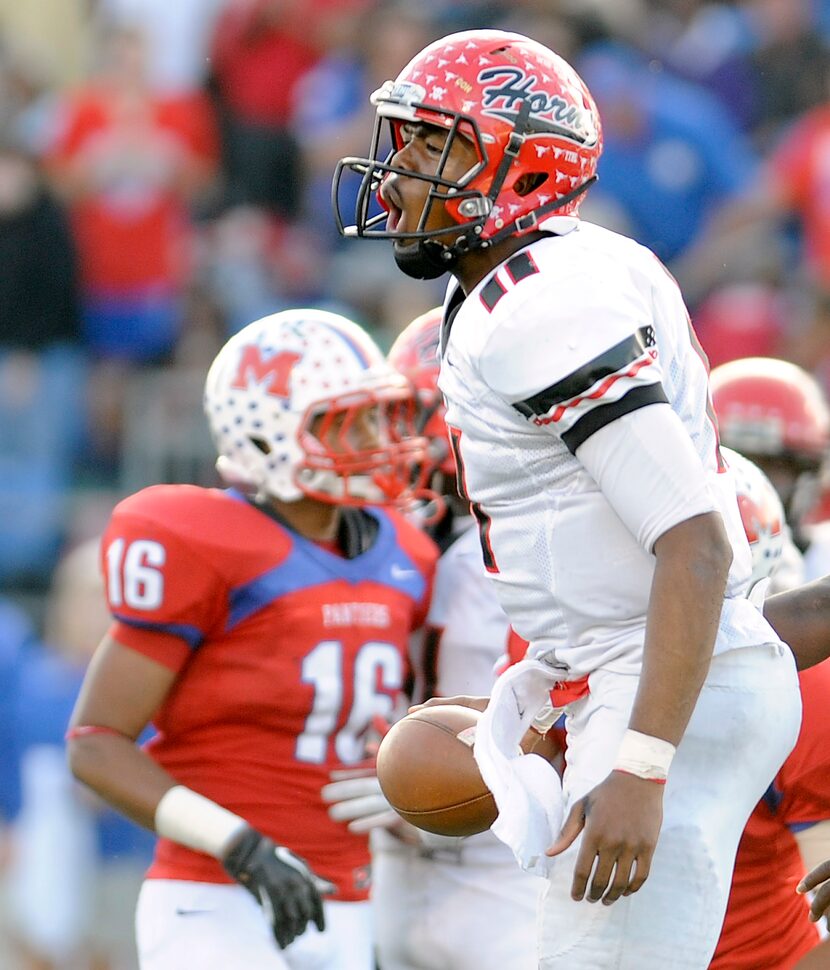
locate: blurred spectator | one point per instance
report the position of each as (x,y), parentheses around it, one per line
(709,44)
(261,49)
(791,63)
(131,164)
(764,60)
(332,113)
(178,38)
(41,428)
(791,191)
(671,155)
(75,866)
(41,371)
(742,320)
(38,286)
(256,263)
(51,36)
(16,633)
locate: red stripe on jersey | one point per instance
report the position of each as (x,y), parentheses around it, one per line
(598,393)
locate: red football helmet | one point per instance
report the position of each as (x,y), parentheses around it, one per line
(415,355)
(771,408)
(526,112)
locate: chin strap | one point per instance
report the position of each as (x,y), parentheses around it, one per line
(530,221)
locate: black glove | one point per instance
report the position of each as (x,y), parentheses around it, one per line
(288,891)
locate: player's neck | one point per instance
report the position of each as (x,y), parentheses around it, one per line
(472,268)
(314,520)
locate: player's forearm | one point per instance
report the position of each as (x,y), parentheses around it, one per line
(801,617)
(693,560)
(120,773)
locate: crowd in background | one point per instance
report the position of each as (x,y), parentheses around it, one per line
(165,172)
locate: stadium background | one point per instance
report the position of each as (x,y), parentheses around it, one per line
(164,179)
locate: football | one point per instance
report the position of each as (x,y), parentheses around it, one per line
(427,771)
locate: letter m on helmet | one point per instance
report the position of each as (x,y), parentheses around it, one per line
(271,372)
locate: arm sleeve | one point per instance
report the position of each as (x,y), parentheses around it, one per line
(647,468)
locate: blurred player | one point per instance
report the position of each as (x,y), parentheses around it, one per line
(444,903)
(577,400)
(777,415)
(766,922)
(260,628)
(775,556)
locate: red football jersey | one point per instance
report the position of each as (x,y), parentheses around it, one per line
(766,921)
(284,652)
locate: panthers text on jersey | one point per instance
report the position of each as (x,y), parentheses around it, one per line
(284,652)
(536,360)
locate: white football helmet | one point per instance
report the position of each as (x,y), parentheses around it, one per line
(285,398)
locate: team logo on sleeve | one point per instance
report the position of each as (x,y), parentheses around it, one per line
(272,372)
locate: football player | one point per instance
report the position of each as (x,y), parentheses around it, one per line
(578,405)
(443,902)
(776,414)
(766,922)
(260,628)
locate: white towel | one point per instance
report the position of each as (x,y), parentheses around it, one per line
(527,789)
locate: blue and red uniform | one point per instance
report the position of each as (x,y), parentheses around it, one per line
(284,651)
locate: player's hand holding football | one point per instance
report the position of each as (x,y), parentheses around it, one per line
(288,891)
(620,821)
(818,879)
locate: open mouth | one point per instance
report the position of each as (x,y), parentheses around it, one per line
(391,202)
(393,219)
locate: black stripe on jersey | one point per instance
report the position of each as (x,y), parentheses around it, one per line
(582,380)
(492,293)
(598,417)
(521,266)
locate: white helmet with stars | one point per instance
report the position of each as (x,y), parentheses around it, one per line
(283,397)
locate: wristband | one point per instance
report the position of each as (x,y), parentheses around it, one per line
(644,756)
(196,822)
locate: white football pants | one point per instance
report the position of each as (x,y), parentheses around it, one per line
(744,725)
(473,909)
(208,926)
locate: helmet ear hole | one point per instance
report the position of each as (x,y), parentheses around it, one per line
(529,182)
(261,443)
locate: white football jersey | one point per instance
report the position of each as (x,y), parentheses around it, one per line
(474,630)
(577,333)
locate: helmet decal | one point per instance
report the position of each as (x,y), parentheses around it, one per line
(272,373)
(288,400)
(550,112)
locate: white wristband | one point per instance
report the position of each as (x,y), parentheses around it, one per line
(194,821)
(644,756)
